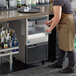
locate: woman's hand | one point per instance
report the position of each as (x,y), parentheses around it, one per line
(48,30)
(49,22)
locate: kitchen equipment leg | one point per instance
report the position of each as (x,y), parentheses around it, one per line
(0,61)
(43,62)
(11,62)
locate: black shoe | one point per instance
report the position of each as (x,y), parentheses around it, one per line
(67,70)
(55,65)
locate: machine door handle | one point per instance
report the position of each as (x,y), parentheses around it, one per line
(37,18)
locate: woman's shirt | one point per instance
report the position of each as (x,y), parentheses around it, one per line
(66,5)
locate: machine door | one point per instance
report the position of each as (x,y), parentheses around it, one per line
(36,33)
(35,25)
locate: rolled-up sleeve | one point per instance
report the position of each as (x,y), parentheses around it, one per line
(58,2)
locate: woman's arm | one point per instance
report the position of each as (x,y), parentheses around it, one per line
(55,20)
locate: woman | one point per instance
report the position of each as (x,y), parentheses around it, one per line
(64,21)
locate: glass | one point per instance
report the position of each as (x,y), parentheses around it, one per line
(42,1)
(2,2)
(28,4)
(13,3)
(33,2)
(47,1)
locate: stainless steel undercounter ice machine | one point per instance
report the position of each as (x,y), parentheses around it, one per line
(32,39)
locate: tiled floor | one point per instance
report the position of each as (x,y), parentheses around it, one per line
(34,70)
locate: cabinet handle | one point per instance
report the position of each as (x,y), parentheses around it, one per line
(32,46)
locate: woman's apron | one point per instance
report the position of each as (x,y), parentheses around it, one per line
(66,32)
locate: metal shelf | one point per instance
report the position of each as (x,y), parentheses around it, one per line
(10,54)
(9,51)
(2,50)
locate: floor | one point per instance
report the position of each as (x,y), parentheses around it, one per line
(37,69)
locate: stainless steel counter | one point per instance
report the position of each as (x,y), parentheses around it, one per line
(14,15)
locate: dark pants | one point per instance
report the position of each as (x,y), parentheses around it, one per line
(71,58)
